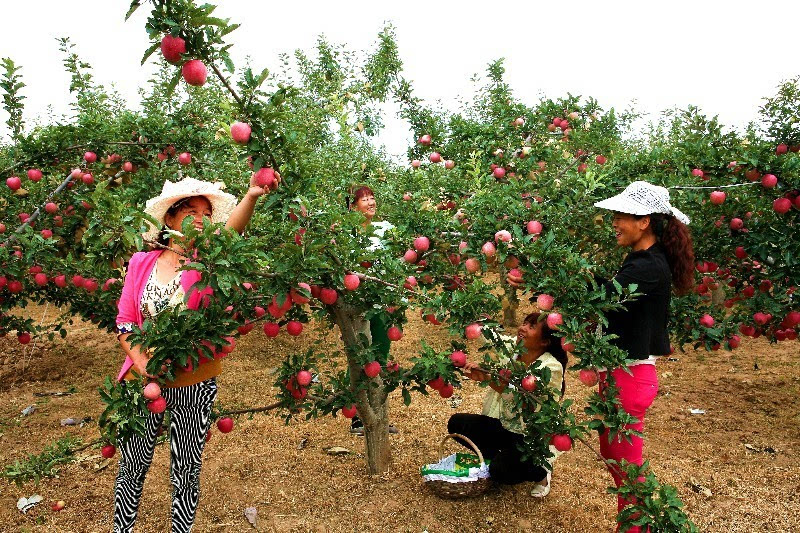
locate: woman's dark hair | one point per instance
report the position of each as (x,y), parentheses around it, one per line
(553,344)
(163,236)
(357,193)
(677,242)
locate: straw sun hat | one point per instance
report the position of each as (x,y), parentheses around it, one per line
(642,198)
(222,203)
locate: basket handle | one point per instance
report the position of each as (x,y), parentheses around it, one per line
(465,439)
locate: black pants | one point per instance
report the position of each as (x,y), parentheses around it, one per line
(497,444)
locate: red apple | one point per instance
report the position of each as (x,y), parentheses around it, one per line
(425,140)
(349,412)
(172,48)
(60,281)
(351,282)
(781,149)
(534,227)
(736,224)
(328,296)
(697,173)
(271,329)
(90,157)
(436,383)
(488,249)
(46,233)
(159,405)
(717,197)
(458,358)
(740,252)
(240,132)
(562,443)
(588,377)
(108,451)
(40,279)
(303,378)
(707,321)
(435,157)
(14,183)
(529,383)
(416,163)
(194,72)
(769,181)
(51,207)
(502,235)
(473,331)
(782,205)
(185,158)
(422,244)
(449,164)
(265,177)
(394,333)
(87,179)
(34,174)
(472,265)
(127,166)
(294,328)
(600,160)
(554,320)
(372,369)
(225,425)
(499,172)
(58,506)
(297,297)
(24,337)
(544,302)
(446,391)
(152,391)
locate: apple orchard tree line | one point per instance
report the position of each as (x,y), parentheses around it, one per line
(499,185)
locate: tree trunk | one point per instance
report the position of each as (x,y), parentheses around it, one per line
(510,301)
(373,405)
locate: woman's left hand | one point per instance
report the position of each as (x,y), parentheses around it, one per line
(256,190)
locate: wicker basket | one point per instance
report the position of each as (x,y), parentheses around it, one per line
(456,487)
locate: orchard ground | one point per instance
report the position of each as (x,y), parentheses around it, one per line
(749,397)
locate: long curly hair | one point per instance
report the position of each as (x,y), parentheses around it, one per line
(677,242)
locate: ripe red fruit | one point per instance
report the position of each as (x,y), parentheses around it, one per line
(90,157)
(294,328)
(449,164)
(2,228)
(554,320)
(152,391)
(416,163)
(51,207)
(34,174)
(707,321)
(108,451)
(46,233)
(600,160)
(588,377)
(77,280)
(172,48)
(14,183)
(394,333)
(297,297)
(752,174)
(473,331)
(410,256)
(240,132)
(781,149)
(472,265)
(422,244)
(697,173)
(349,412)
(127,166)
(87,179)
(225,425)
(58,506)
(458,358)
(436,383)
(761,318)
(228,348)
(717,197)
(410,283)
(372,369)
(425,140)
(259,311)
(499,172)
(60,281)
(446,391)
(90,285)
(782,205)
(194,72)
(303,378)
(24,337)
(562,443)
(351,282)
(488,249)
(736,224)
(534,227)
(40,279)
(435,157)
(544,302)
(185,158)
(740,252)
(769,181)
(271,329)
(502,235)
(265,177)
(529,383)
(734,342)
(328,296)
(159,405)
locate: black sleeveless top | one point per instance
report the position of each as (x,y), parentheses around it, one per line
(642,326)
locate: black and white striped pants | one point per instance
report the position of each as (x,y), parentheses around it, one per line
(190,412)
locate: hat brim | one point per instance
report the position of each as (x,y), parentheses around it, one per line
(623,204)
(222,205)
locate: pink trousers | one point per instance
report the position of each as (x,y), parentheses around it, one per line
(636,393)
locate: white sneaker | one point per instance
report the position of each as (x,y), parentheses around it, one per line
(540,491)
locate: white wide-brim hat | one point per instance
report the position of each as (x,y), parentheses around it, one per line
(222,203)
(642,198)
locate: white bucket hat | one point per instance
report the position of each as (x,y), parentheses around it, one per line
(222,203)
(642,198)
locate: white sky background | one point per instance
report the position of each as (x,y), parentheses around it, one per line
(721,56)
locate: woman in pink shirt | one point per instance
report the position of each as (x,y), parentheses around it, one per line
(153,283)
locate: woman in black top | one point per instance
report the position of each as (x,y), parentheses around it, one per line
(661,256)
